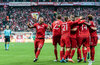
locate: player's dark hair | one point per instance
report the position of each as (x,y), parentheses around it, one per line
(90,17)
(66,18)
(58,16)
(73,19)
(76,16)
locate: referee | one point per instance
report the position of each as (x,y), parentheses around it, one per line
(7,33)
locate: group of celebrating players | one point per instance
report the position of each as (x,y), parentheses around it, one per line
(73,33)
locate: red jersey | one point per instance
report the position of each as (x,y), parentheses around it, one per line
(40,30)
(66,27)
(92,32)
(83,30)
(56,28)
(74,33)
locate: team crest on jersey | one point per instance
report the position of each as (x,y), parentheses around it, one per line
(43,25)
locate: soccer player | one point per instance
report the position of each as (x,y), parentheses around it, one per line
(93,35)
(7,33)
(73,39)
(65,38)
(56,34)
(40,35)
(83,39)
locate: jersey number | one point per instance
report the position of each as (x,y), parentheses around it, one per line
(56,27)
(84,27)
(65,27)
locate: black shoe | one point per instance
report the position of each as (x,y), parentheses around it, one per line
(35,60)
(80,60)
(84,61)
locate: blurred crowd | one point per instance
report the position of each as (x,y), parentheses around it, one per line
(19,16)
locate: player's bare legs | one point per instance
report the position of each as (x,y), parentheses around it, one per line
(55,52)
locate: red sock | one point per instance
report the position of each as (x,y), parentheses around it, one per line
(37,53)
(61,54)
(66,54)
(79,52)
(88,49)
(55,51)
(64,51)
(83,51)
(69,53)
(85,55)
(72,54)
(92,53)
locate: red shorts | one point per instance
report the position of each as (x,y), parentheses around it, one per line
(65,41)
(38,43)
(94,41)
(83,41)
(73,42)
(56,39)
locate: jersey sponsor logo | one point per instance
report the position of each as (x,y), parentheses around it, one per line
(40,26)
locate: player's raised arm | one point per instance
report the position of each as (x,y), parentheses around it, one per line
(87,23)
(74,29)
(77,21)
(49,27)
(29,26)
(82,20)
(93,28)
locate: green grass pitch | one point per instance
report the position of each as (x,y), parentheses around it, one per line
(23,54)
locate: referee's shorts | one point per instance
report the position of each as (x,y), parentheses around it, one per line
(7,38)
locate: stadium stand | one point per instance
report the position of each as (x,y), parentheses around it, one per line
(19,16)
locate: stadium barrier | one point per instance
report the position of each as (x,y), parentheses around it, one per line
(28,37)
(24,37)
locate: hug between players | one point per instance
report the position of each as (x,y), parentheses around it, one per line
(71,34)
